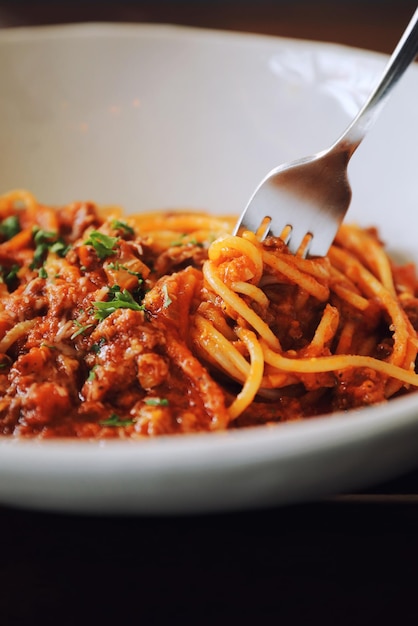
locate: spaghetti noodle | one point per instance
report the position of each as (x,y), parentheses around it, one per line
(161,323)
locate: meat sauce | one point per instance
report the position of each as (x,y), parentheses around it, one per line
(95,333)
(93,339)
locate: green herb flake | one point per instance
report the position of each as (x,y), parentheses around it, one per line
(81,329)
(157,402)
(117,224)
(48,345)
(41,236)
(92,374)
(46,241)
(60,248)
(119,300)
(118,266)
(115,420)
(182,242)
(10,227)
(103,244)
(179,241)
(9,275)
(43,240)
(194,242)
(96,347)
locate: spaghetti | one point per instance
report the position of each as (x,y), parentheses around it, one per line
(161,323)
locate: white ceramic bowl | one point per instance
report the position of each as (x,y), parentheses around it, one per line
(151,117)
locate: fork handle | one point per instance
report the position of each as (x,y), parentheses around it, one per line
(403,55)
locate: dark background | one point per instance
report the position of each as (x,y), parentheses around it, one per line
(349,560)
(371,24)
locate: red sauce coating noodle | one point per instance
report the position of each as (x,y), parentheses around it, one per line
(162,323)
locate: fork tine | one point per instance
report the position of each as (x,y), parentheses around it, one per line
(296,196)
(254,215)
(253,220)
(271,195)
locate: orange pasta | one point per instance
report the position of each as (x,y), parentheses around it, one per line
(163,323)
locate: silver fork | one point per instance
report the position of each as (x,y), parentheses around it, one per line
(305,201)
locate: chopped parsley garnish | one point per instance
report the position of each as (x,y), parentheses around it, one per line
(60,248)
(119,300)
(117,224)
(103,244)
(156,401)
(96,347)
(115,420)
(182,242)
(92,373)
(8,276)
(45,241)
(81,329)
(118,266)
(179,241)
(10,226)
(48,345)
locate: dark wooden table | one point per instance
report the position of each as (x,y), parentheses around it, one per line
(349,560)
(370,24)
